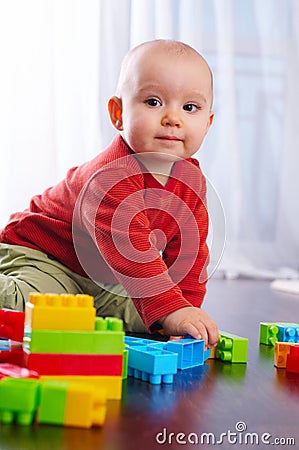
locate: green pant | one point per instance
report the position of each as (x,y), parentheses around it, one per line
(24,270)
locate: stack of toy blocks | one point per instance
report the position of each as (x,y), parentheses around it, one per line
(68,343)
(231,348)
(271,332)
(284,336)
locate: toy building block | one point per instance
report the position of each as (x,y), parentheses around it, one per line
(18,400)
(281,351)
(60,312)
(268,333)
(207,352)
(135,341)
(232,348)
(213,353)
(125,364)
(111,385)
(152,364)
(288,332)
(4,344)
(12,324)
(108,324)
(13,371)
(77,405)
(85,406)
(72,364)
(293,359)
(15,355)
(190,352)
(76,342)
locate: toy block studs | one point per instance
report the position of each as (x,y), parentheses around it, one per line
(288,332)
(268,333)
(232,348)
(108,324)
(60,312)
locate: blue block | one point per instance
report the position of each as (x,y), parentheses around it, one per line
(288,332)
(152,379)
(152,364)
(131,340)
(191,355)
(190,352)
(4,344)
(207,353)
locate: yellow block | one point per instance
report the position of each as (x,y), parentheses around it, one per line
(60,312)
(85,406)
(111,385)
(213,353)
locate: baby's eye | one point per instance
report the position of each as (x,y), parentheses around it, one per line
(153,102)
(190,107)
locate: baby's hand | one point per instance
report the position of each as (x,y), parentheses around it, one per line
(193,321)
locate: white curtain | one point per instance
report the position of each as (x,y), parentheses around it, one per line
(59,65)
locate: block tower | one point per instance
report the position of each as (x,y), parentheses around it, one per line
(65,341)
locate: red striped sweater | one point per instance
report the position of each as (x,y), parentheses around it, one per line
(112,221)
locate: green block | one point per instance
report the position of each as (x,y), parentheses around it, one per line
(125,364)
(108,324)
(52,402)
(232,348)
(268,333)
(77,342)
(19,399)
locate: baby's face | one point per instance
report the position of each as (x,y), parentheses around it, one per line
(166,103)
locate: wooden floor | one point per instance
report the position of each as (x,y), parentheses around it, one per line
(219,399)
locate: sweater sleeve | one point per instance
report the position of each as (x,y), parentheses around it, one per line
(113,212)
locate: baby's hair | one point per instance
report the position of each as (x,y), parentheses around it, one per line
(177,48)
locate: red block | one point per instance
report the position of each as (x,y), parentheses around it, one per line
(14,371)
(293,359)
(70,364)
(12,324)
(13,356)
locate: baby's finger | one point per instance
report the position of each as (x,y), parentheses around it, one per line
(197,331)
(213,333)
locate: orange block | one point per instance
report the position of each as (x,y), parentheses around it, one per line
(281,351)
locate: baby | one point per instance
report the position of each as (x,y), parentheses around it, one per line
(130,226)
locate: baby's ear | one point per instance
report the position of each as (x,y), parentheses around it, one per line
(115,112)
